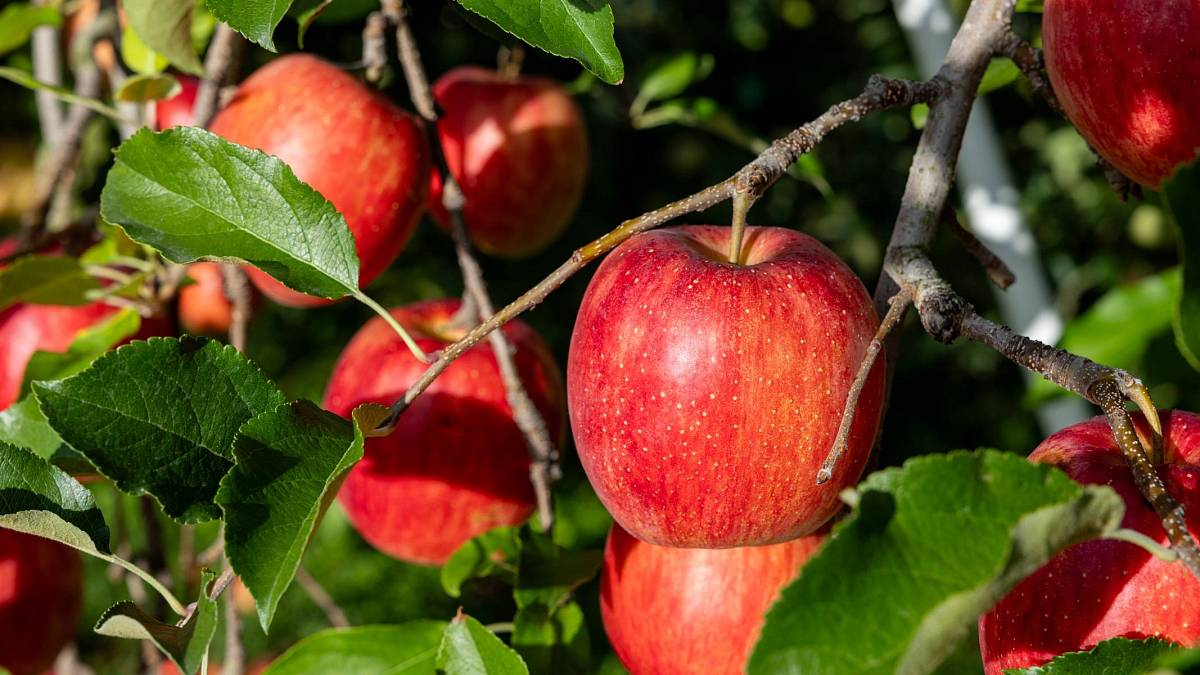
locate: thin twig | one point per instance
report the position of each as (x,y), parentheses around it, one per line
(896,308)
(1032,64)
(234,661)
(765,170)
(322,599)
(223,51)
(47,67)
(996,269)
(237,290)
(374,51)
(543,468)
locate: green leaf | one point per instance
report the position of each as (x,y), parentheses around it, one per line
(88,345)
(18,20)
(145,88)
(23,425)
(1118,656)
(1000,73)
(140,58)
(191,194)
(255,20)
(406,649)
(575,29)
(45,280)
(306,13)
(165,26)
(159,417)
(30,82)
(40,499)
(496,552)
(552,641)
(185,645)
(1119,327)
(470,649)
(548,573)
(927,549)
(1182,195)
(1031,6)
(290,463)
(671,77)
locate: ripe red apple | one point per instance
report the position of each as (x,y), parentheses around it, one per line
(177,110)
(204,309)
(518,148)
(1104,589)
(365,155)
(705,395)
(673,610)
(1125,72)
(257,668)
(456,465)
(41,586)
(27,329)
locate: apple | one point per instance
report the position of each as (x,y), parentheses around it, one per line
(28,329)
(168,667)
(1125,72)
(204,309)
(456,465)
(365,155)
(1104,589)
(518,148)
(177,110)
(41,590)
(704,395)
(691,610)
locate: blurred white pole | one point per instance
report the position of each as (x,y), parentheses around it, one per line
(992,203)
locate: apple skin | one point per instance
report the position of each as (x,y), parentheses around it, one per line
(673,610)
(41,591)
(362,153)
(1125,72)
(177,110)
(1104,589)
(456,465)
(204,308)
(518,148)
(705,395)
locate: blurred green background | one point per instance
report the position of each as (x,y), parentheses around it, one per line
(774,65)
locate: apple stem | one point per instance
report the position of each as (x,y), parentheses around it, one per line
(237,291)
(742,201)
(896,308)
(395,325)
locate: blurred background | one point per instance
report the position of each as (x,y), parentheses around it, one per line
(740,73)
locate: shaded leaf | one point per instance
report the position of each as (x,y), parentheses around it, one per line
(552,641)
(928,547)
(159,417)
(290,463)
(40,499)
(548,573)
(1000,73)
(1182,194)
(406,649)
(145,88)
(185,645)
(191,194)
(140,58)
(1118,656)
(470,649)
(306,13)
(165,26)
(575,29)
(671,77)
(45,280)
(22,424)
(496,552)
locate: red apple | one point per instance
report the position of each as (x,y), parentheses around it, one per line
(41,586)
(705,395)
(204,309)
(688,610)
(1125,72)
(177,110)
(457,465)
(214,668)
(27,329)
(1104,589)
(365,155)
(518,148)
